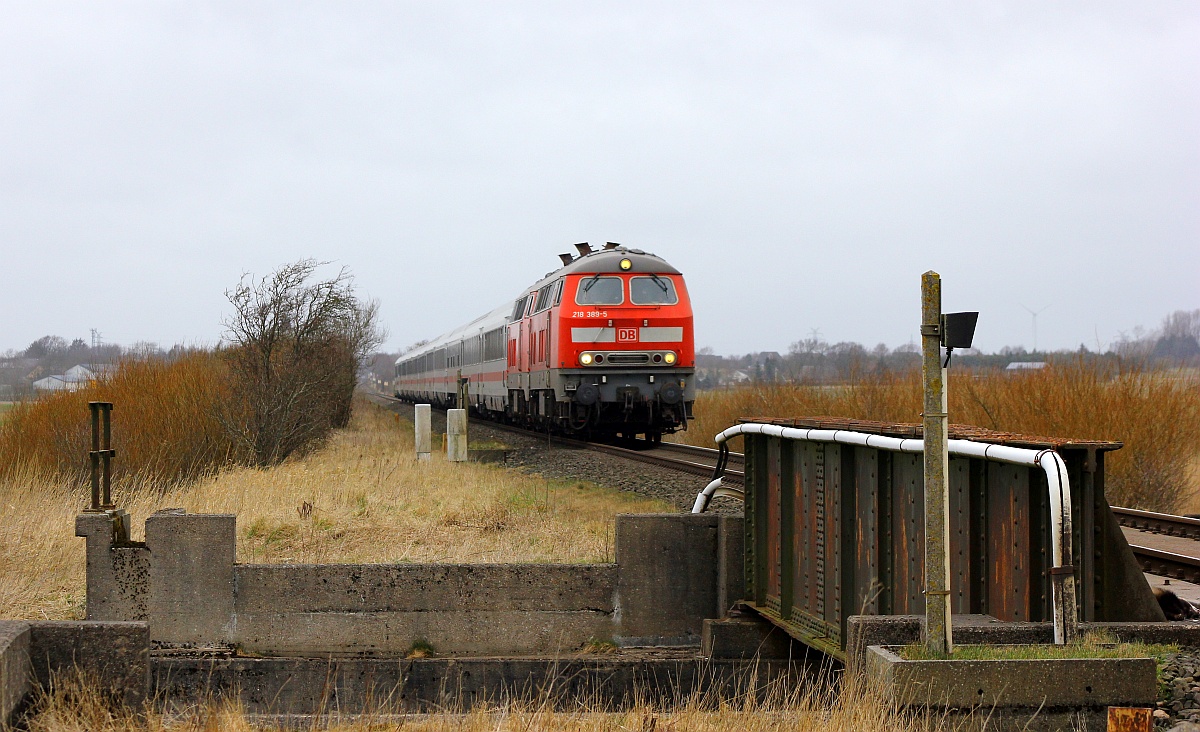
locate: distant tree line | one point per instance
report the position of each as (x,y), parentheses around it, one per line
(813,360)
(51,355)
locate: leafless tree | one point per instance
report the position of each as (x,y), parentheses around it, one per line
(294,345)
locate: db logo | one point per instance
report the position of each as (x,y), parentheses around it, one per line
(626,335)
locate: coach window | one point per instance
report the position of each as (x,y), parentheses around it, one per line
(600,291)
(652,291)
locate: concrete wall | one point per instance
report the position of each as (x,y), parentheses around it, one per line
(376,687)
(14,667)
(472,609)
(898,630)
(114,657)
(673,571)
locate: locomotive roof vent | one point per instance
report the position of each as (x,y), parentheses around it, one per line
(610,245)
(566,259)
(583,248)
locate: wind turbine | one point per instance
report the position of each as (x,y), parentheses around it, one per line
(1035,313)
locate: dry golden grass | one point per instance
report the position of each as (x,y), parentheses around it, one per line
(852,707)
(164,423)
(370,502)
(1156,414)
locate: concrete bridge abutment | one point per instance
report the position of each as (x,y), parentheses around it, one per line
(673,571)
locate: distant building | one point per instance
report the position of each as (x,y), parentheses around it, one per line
(1025,366)
(74,379)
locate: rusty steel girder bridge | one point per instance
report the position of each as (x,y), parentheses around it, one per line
(834,530)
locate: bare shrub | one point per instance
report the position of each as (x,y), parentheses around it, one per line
(295,345)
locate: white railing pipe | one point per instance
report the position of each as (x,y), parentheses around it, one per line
(1062,577)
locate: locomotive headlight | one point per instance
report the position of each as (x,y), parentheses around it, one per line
(585,359)
(626,264)
(669,358)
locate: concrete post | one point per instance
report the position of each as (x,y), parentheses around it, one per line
(937,490)
(116,569)
(423,420)
(191,577)
(668,575)
(456,435)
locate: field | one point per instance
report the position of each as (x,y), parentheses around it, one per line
(1155,414)
(360,498)
(364,498)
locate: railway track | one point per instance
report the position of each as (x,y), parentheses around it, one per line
(1163,544)
(684,458)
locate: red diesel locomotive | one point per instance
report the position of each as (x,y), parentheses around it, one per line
(601,346)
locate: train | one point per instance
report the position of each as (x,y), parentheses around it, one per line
(600,347)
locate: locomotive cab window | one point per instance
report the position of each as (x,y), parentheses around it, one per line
(519,309)
(600,291)
(545,298)
(652,291)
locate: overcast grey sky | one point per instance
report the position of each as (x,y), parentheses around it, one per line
(802,164)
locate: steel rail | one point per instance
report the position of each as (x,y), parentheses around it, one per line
(655,456)
(1159,561)
(1167,564)
(1158,523)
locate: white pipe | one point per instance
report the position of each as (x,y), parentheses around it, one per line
(704,496)
(1051,463)
(714,489)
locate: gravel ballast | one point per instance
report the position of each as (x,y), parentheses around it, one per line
(537,455)
(1179,691)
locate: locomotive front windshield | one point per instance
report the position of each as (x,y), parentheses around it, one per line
(600,291)
(652,291)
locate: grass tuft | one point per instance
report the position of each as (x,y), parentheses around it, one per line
(420,649)
(599,646)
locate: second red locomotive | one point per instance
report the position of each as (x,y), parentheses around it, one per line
(601,346)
